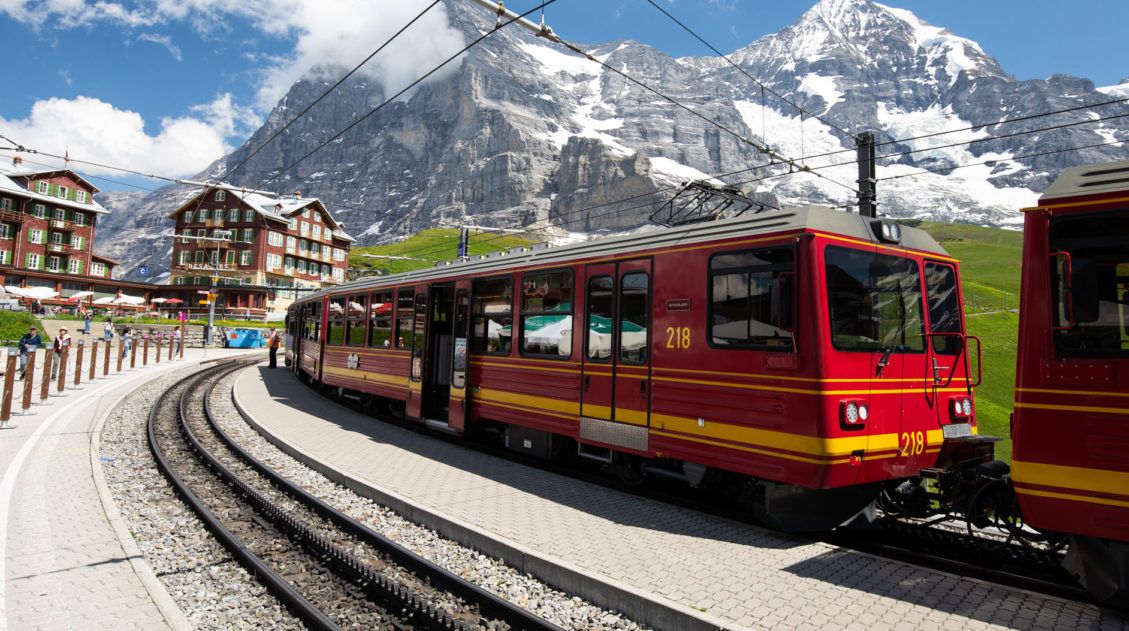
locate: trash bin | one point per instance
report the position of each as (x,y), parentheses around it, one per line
(244,338)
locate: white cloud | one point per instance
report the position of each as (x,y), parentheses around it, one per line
(163,40)
(90,129)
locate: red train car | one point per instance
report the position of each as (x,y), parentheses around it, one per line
(1071,422)
(807,354)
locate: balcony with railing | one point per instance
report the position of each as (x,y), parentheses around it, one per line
(60,248)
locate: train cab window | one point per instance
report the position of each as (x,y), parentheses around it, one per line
(335,323)
(875,302)
(751,297)
(944,307)
(356,321)
(601,311)
(380,311)
(546,314)
(404,316)
(1092,305)
(634,317)
(492,305)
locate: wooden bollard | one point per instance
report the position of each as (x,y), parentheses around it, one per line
(158,340)
(9,382)
(133,354)
(78,363)
(29,380)
(61,384)
(93,360)
(145,352)
(183,340)
(171,344)
(121,354)
(45,387)
(106,360)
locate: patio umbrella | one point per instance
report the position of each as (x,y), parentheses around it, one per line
(40,293)
(159,300)
(79,295)
(125,299)
(173,301)
(107,300)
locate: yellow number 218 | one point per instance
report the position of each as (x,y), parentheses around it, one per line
(678,337)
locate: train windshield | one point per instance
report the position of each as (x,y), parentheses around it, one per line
(1092,305)
(874,301)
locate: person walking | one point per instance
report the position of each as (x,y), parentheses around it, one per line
(62,340)
(108,331)
(28,343)
(176,340)
(127,341)
(275,341)
(86,321)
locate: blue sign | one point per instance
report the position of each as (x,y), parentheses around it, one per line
(143,270)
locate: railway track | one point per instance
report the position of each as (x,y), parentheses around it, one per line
(328,569)
(940,546)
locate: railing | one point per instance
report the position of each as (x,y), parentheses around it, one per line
(12,216)
(59,223)
(60,247)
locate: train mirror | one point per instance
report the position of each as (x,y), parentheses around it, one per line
(1084,290)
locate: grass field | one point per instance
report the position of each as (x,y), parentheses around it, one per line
(427,247)
(989,264)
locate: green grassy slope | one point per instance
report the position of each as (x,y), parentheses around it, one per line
(989,263)
(429,246)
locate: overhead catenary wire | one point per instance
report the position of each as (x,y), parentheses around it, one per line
(921,172)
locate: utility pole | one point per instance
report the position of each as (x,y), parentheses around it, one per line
(867,180)
(464,237)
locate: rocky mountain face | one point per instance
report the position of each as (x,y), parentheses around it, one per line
(528,134)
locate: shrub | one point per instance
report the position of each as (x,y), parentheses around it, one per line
(13,325)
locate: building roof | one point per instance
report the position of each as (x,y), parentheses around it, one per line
(103,259)
(271,206)
(8,184)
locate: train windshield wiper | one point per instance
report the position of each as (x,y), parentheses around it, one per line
(889,350)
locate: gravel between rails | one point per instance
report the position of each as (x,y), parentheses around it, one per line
(555,606)
(211,588)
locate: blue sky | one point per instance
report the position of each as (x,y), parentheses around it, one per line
(167,86)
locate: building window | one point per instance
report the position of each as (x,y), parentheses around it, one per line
(79,219)
(60,214)
(338,254)
(317,232)
(39,211)
(204,214)
(53,263)
(248,235)
(78,242)
(301,266)
(5,204)
(233,215)
(546,313)
(6,257)
(274,238)
(324,270)
(198,257)
(293,223)
(5,231)
(303,246)
(288,264)
(74,266)
(248,215)
(61,192)
(245,257)
(43,187)
(80,196)
(229,257)
(338,273)
(328,234)
(182,258)
(291,243)
(188,216)
(99,269)
(35,235)
(220,196)
(32,261)
(56,238)
(274,261)
(306,213)
(304,229)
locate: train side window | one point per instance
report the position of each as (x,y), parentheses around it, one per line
(419,337)
(357,312)
(875,302)
(380,312)
(1092,306)
(751,296)
(404,311)
(335,325)
(634,317)
(492,305)
(546,314)
(601,312)
(944,307)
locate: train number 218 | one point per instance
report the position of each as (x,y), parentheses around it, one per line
(913,443)
(678,337)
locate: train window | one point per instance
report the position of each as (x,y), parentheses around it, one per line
(492,305)
(634,320)
(380,312)
(356,314)
(601,311)
(546,314)
(751,294)
(462,314)
(313,322)
(944,307)
(335,323)
(1093,304)
(404,311)
(875,302)
(419,337)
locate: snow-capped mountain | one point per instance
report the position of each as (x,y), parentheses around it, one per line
(527,133)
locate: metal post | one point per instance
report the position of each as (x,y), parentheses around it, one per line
(866,181)
(9,383)
(106,359)
(78,364)
(158,340)
(29,381)
(45,387)
(93,360)
(61,384)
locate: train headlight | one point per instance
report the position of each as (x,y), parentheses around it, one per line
(853,414)
(888,231)
(966,406)
(958,409)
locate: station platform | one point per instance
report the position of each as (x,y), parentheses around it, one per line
(67,559)
(661,565)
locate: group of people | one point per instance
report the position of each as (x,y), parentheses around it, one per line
(32,340)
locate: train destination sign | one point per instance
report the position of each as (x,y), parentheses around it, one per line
(678,304)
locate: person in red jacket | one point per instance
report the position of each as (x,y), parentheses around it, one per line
(275,341)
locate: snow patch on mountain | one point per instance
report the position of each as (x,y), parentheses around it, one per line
(677,172)
(823,87)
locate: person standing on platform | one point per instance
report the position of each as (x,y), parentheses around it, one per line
(275,341)
(62,340)
(176,340)
(108,331)
(86,321)
(29,342)
(127,341)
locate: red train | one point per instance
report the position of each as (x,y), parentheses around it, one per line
(806,356)
(1071,422)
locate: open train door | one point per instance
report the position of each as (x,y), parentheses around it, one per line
(418,344)
(456,411)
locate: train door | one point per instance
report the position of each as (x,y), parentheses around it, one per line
(949,363)
(616,363)
(439,349)
(456,414)
(418,345)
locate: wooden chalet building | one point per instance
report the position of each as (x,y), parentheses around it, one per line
(263,249)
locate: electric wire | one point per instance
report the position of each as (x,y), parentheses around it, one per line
(921,172)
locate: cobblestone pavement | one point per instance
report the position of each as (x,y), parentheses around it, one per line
(744,575)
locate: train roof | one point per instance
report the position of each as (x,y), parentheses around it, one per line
(1090,179)
(807,218)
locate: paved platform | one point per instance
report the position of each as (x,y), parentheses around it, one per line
(620,550)
(67,561)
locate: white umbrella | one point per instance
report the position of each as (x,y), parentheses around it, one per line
(108,300)
(78,295)
(126,299)
(40,293)
(15,291)
(159,300)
